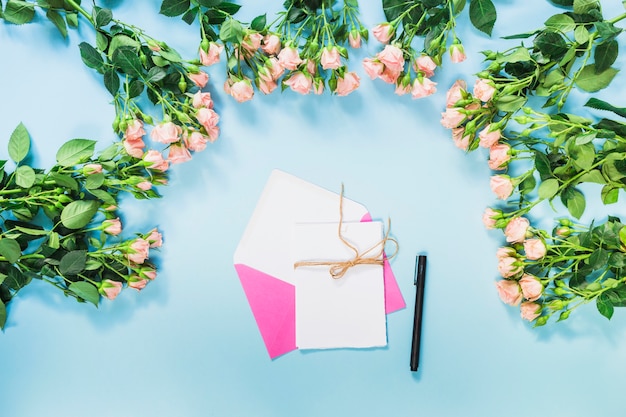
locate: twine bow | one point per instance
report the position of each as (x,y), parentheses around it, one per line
(338,269)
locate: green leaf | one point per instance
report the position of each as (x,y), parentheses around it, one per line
(10,250)
(542,164)
(135,88)
(53,240)
(591,81)
(561,22)
(25,176)
(259,22)
(594,176)
(171,55)
(605,55)
(510,103)
(73,263)
(122,40)
(102,41)
(551,44)
(610,194)
(519,54)
(75,151)
(94,181)
(231,31)
(209,3)
(393,9)
(607,30)
(574,200)
(127,59)
(19,12)
(229,8)
(103,196)
(58,21)
(173,8)
(19,143)
(190,15)
(599,258)
(78,214)
(581,35)
(582,155)
(3,315)
(29,231)
(72,19)
(90,56)
(548,188)
(584,6)
(604,306)
(155,74)
(63,180)
(85,291)
(598,104)
(102,17)
(16,279)
(112,81)
(483,15)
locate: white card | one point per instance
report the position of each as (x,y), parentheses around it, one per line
(346,312)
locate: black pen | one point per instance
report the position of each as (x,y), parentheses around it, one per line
(420,276)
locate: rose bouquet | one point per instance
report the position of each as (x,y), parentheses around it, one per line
(409,69)
(539,156)
(304,48)
(61,225)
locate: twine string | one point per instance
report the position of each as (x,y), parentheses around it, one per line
(338,269)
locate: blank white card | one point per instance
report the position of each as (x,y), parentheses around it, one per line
(347,312)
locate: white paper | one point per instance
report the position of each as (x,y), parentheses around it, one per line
(347,312)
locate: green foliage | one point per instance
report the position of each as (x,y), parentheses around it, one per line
(19,12)
(483,15)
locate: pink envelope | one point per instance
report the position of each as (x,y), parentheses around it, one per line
(263,259)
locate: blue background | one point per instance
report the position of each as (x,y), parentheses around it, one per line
(188,345)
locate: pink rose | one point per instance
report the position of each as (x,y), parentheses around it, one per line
(167,132)
(347,84)
(155,239)
(228,85)
(134,147)
(403,89)
(509,292)
(330,58)
(499,156)
(373,68)
(242,91)
(276,69)
(423,88)
(112,226)
(452,118)
(199,78)
(144,185)
(489,138)
(530,311)
(300,82)
(354,39)
(509,267)
(426,65)
(455,93)
(207,117)
(311,66)
(196,141)
(318,86)
(134,130)
(137,283)
(271,44)
(178,154)
(267,87)
(383,32)
(148,273)
(484,90)
(490,217)
(389,76)
(457,53)
(212,56)
(289,58)
(515,230)
(138,251)
(501,185)
(252,42)
(534,249)
(110,289)
(392,57)
(460,139)
(90,169)
(155,161)
(201,99)
(532,288)
(505,252)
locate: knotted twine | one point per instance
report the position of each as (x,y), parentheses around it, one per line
(338,269)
